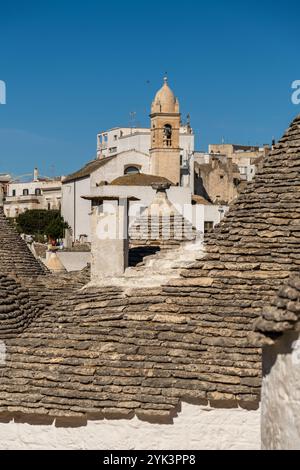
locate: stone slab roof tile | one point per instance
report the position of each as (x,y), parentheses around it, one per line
(15,256)
(87,169)
(283,314)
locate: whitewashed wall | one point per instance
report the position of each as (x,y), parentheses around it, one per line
(281,394)
(72,193)
(115,168)
(124,138)
(74,260)
(196,427)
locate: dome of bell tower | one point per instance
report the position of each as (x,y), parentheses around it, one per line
(165,100)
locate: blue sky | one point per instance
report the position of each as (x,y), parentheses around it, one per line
(74,68)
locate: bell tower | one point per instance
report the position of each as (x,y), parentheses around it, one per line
(165,126)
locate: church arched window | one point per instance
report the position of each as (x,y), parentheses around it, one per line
(167,135)
(131,170)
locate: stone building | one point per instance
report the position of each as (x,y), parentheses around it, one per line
(38,193)
(165,151)
(4,180)
(222,173)
(247,158)
(125,139)
(217,179)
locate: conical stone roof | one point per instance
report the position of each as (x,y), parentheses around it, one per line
(283,314)
(160,223)
(16,307)
(15,256)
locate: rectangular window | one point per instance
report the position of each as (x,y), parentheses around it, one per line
(208,227)
(25,192)
(13,192)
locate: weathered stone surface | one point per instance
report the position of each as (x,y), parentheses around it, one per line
(15,256)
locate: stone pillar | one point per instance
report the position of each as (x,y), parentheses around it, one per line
(280,419)
(109,248)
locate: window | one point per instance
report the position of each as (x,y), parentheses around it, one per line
(25,192)
(14,192)
(131,170)
(115,137)
(221,177)
(37,191)
(167,135)
(208,227)
(181,160)
(113,149)
(49,206)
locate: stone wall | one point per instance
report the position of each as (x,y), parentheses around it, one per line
(196,427)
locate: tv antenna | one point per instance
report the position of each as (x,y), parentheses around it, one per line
(132,122)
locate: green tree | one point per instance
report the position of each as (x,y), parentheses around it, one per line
(39,222)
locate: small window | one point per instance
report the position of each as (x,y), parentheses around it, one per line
(115,137)
(221,177)
(13,192)
(25,192)
(49,206)
(167,135)
(131,170)
(208,227)
(38,191)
